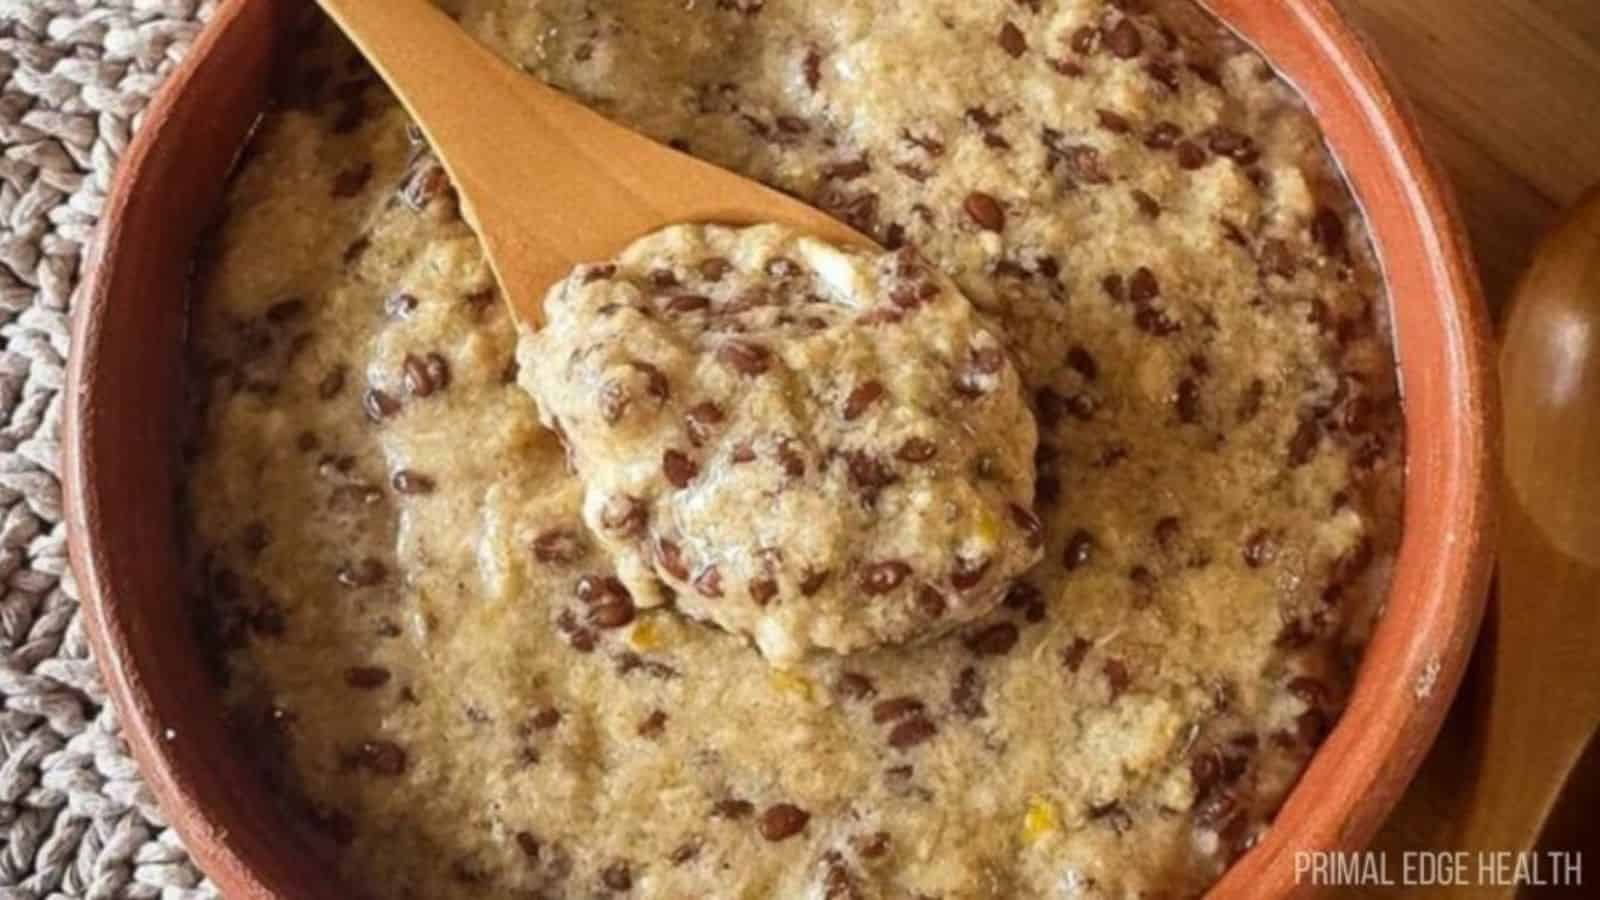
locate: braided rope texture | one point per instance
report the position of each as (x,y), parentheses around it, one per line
(76,820)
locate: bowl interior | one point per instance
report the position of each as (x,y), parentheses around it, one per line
(126,387)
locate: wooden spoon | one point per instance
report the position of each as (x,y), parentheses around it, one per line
(545,182)
(1540,700)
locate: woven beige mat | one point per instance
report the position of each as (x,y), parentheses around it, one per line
(75,818)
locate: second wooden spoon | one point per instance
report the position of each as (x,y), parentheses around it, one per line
(1541,691)
(545,182)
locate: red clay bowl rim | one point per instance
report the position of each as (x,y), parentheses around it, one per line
(1377,744)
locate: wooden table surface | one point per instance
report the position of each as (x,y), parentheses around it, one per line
(1508,96)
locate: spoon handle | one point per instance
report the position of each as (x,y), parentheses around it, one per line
(545,182)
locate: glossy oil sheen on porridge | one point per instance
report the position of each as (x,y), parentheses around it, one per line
(391,550)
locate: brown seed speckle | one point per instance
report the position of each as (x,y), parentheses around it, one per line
(1086,164)
(854,686)
(883,577)
(993,640)
(613,613)
(967,694)
(763,590)
(425,375)
(712,268)
(782,267)
(1143,286)
(1112,121)
(379,405)
(1082,362)
(745,357)
(617,877)
(1259,549)
(1164,74)
(1085,41)
(1153,321)
(1304,443)
(985,211)
(1187,401)
(709,582)
(968,573)
(400,305)
(1167,530)
(732,808)
(615,401)
(408,481)
(1032,528)
(931,602)
(700,420)
(811,68)
(678,468)
(917,450)
(332,383)
(1328,231)
(1073,654)
(1164,136)
(896,708)
(382,757)
(1124,40)
(869,474)
(624,515)
(1250,400)
(849,170)
(911,732)
(653,725)
(580,638)
(813,582)
(861,398)
(685,852)
(1012,40)
(670,558)
(871,846)
(1117,678)
(558,546)
(1147,204)
(683,304)
(782,821)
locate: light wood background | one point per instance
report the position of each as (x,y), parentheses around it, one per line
(1508,96)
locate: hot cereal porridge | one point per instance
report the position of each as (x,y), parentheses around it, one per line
(1173,388)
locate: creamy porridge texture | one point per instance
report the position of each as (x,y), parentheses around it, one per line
(811,446)
(393,555)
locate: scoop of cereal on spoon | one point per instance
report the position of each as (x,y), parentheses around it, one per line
(771,422)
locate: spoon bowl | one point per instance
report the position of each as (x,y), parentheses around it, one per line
(1550,374)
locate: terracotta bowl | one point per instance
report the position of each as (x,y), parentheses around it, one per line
(123,413)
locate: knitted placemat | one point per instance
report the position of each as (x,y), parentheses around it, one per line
(75,818)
